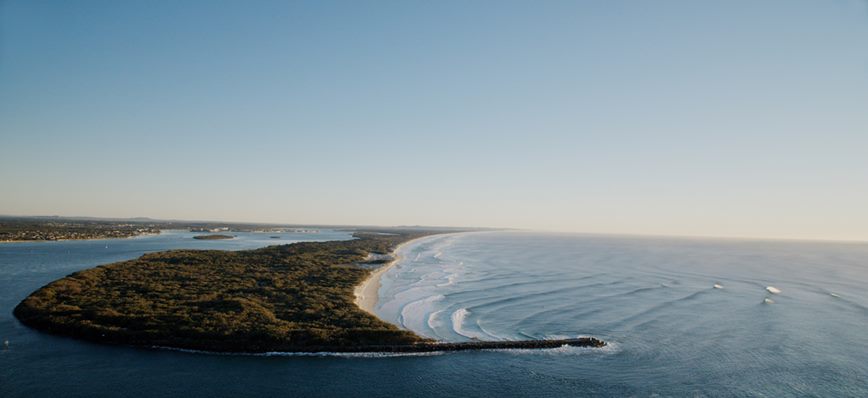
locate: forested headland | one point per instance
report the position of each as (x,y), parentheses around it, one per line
(277,298)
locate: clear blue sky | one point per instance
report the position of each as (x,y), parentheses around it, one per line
(731,118)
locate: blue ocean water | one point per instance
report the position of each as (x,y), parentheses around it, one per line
(672,332)
(684,316)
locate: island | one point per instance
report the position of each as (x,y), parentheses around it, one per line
(213,237)
(287,298)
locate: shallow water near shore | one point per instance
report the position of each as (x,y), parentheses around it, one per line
(671,331)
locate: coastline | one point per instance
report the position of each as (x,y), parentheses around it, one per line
(142,235)
(288,291)
(367,292)
(322,335)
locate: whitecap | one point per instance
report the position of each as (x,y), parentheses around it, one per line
(450,280)
(564,350)
(414,315)
(459,320)
(435,320)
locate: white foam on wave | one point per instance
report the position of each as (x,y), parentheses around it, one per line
(459,322)
(415,315)
(435,321)
(458,319)
(450,280)
(425,280)
(452,273)
(398,298)
(564,350)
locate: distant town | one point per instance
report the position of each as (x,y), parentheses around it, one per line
(17,229)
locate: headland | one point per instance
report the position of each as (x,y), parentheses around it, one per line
(300,297)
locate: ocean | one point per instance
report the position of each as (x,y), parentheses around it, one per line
(683,316)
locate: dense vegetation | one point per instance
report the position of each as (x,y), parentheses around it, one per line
(279,298)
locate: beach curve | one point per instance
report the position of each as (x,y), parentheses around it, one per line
(367,292)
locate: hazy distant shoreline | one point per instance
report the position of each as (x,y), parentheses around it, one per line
(142,235)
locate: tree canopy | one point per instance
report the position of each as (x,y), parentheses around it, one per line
(293,297)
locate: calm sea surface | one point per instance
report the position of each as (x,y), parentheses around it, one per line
(673,333)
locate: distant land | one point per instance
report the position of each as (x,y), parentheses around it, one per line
(213,237)
(48,229)
(52,228)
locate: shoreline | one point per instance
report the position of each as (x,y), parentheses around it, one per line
(174,312)
(81,240)
(40,310)
(367,293)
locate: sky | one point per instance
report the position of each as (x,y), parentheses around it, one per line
(730,118)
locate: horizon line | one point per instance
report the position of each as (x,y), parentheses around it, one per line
(478,228)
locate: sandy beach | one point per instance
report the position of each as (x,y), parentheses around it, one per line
(368,291)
